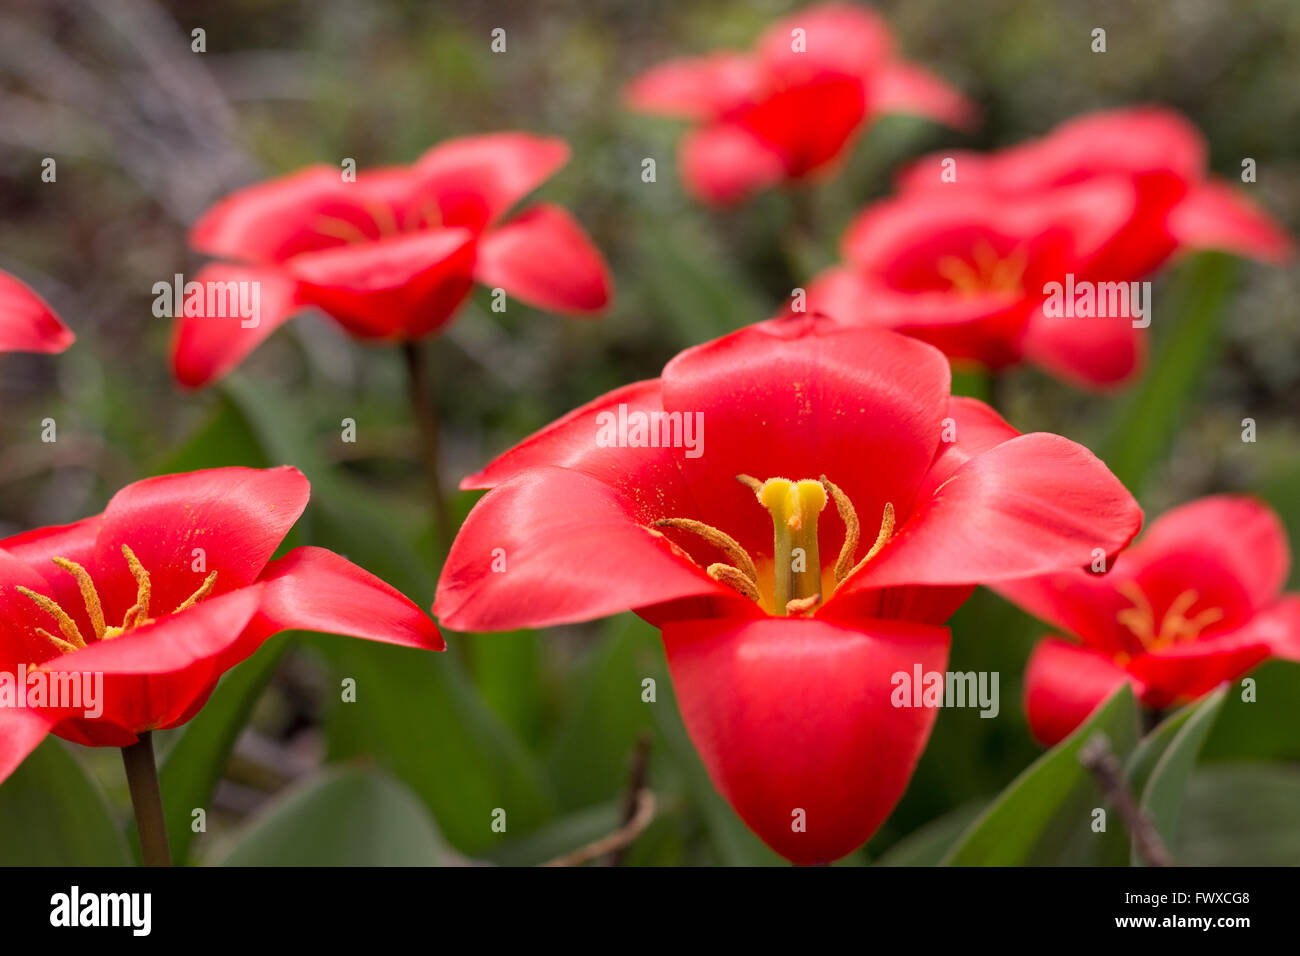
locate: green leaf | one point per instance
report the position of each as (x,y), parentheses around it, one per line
(1162,797)
(340,817)
(589,760)
(1147,418)
(1043,817)
(1245,814)
(189,770)
(1263,728)
(53,814)
(927,845)
(418,715)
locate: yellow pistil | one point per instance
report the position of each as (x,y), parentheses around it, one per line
(796,558)
(988,273)
(136,615)
(1174,624)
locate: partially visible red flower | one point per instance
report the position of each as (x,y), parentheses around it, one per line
(1197,601)
(899,498)
(1179,205)
(794,105)
(393,254)
(965,263)
(27,324)
(163,593)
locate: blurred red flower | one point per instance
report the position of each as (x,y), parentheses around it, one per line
(163,593)
(1197,601)
(963,256)
(794,105)
(392,254)
(783,636)
(27,324)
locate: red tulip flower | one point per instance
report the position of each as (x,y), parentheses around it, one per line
(965,263)
(1197,601)
(391,255)
(799,506)
(793,106)
(164,592)
(27,324)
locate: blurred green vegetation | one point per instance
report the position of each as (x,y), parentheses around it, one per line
(542,725)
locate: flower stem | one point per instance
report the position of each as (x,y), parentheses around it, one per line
(146,799)
(421,399)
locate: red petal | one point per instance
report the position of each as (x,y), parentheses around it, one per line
(158,675)
(904,88)
(1183,672)
(1215,216)
(975,429)
(283,217)
(803,397)
(1031,505)
(1233,536)
(837,38)
(205,347)
(475,179)
(1064,684)
(237,516)
(1096,352)
(1078,602)
(724,162)
(700,88)
(796,714)
(313,589)
(553,546)
(404,286)
(543,257)
(574,442)
(27,324)
(21,732)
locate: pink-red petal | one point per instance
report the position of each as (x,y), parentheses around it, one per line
(796,723)
(1216,216)
(27,324)
(543,257)
(1064,684)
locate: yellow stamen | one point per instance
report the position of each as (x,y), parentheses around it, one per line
(204,590)
(750,482)
(88,594)
(849,515)
(988,273)
(385,221)
(143,587)
(66,624)
(332,227)
(882,536)
(60,645)
(800,605)
(719,539)
(734,578)
(1174,624)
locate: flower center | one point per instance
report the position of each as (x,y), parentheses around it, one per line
(136,615)
(987,272)
(424,215)
(796,560)
(1174,625)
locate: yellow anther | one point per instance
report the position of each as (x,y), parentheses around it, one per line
(802,605)
(849,515)
(1174,624)
(88,594)
(719,539)
(750,482)
(68,627)
(331,227)
(143,587)
(60,645)
(734,578)
(988,273)
(204,590)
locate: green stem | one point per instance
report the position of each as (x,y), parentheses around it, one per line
(421,399)
(146,799)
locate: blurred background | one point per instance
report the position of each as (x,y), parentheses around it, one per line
(546,725)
